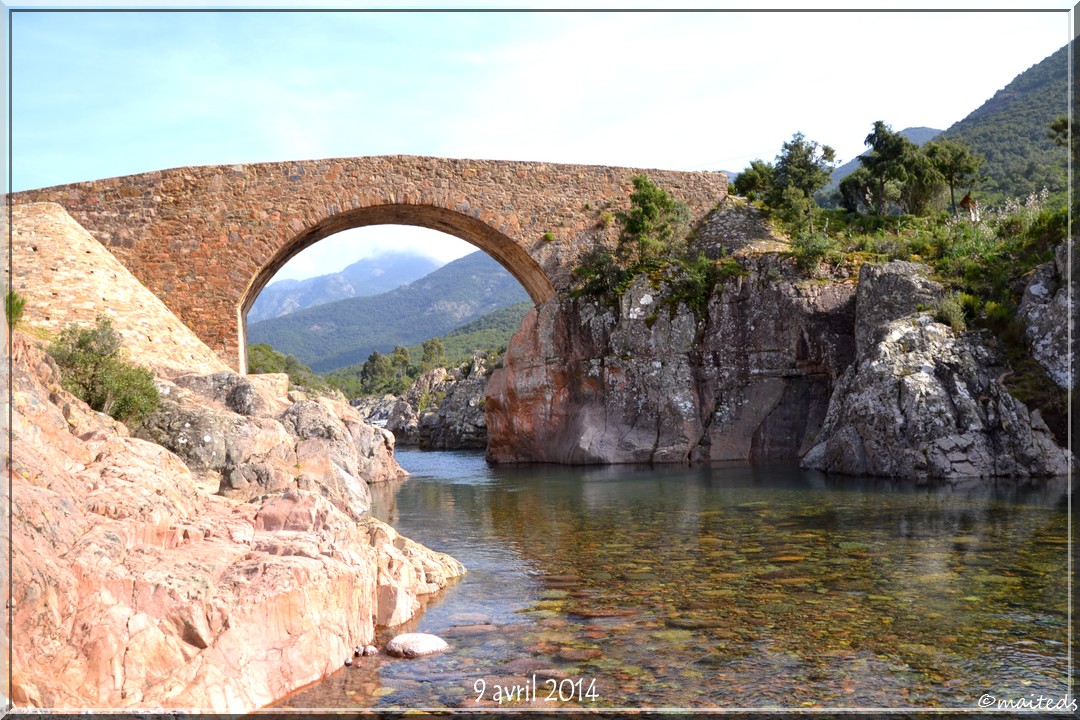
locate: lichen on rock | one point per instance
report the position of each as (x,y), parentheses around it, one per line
(924,402)
(246,438)
(1044,310)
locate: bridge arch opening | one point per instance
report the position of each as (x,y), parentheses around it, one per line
(493,243)
(445,227)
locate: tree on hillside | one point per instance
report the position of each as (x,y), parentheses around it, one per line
(922,183)
(857,191)
(1061,135)
(802,168)
(399,361)
(377,374)
(1059,131)
(434,355)
(958,165)
(884,166)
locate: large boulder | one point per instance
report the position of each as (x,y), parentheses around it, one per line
(375,409)
(236,455)
(649,382)
(245,438)
(922,402)
(423,395)
(889,291)
(263,394)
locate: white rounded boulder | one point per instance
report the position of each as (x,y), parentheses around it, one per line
(412,645)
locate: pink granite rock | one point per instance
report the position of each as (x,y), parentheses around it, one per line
(135,589)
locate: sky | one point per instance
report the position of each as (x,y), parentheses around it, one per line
(101,94)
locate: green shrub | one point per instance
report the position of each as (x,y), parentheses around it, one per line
(970,304)
(694,282)
(950,311)
(600,276)
(13,307)
(549,236)
(1047,230)
(810,250)
(92,369)
(998,315)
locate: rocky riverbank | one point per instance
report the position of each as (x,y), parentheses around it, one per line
(645,382)
(219,560)
(135,588)
(922,401)
(442,410)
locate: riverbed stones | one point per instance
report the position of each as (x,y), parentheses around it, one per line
(469,630)
(414,645)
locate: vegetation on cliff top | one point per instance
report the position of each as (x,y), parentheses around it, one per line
(654,240)
(900,204)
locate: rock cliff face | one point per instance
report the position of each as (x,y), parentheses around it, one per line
(443,410)
(1044,310)
(642,383)
(426,390)
(921,401)
(459,421)
(135,589)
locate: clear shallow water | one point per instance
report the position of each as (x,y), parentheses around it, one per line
(740,586)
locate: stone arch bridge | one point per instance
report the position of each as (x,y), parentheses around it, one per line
(207,239)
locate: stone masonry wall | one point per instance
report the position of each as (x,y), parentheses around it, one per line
(207,239)
(65,276)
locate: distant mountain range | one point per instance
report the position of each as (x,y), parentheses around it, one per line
(368,276)
(337,334)
(1011,131)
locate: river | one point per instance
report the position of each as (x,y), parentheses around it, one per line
(734,586)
